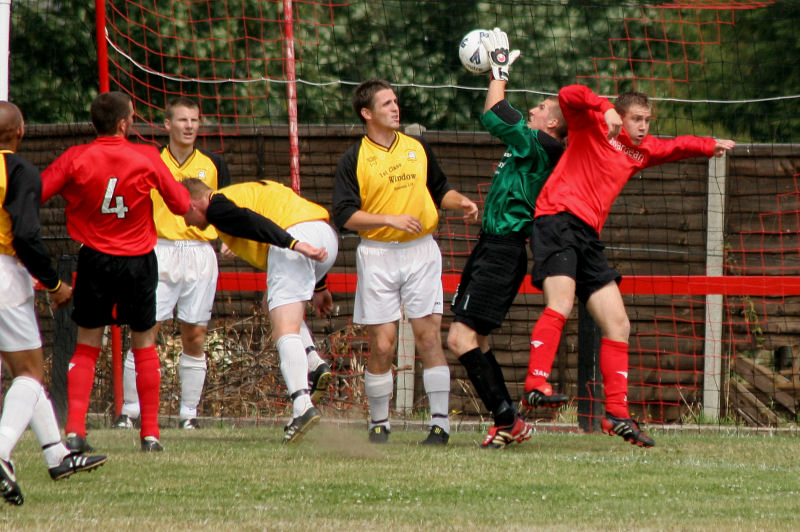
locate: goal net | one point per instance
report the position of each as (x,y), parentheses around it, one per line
(709,251)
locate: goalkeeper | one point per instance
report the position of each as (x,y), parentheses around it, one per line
(496,267)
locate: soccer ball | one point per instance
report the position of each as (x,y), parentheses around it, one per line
(472,54)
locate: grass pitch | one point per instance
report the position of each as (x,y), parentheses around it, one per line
(245,479)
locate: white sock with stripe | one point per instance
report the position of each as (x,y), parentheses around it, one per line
(437,385)
(294,368)
(314,360)
(378,388)
(192,371)
(130,405)
(45,425)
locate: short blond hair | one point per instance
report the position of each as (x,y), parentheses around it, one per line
(180,101)
(196,187)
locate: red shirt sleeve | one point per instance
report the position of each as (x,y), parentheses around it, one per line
(684,147)
(107,185)
(175,195)
(56,175)
(576,100)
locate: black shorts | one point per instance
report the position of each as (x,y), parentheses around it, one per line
(563,244)
(490,281)
(106,280)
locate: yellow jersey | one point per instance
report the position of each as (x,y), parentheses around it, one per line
(203,165)
(403,179)
(249,236)
(20,229)
(6,234)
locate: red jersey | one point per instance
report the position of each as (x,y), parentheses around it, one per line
(593,169)
(107,186)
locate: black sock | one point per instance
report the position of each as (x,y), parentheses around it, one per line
(498,374)
(482,376)
(505,414)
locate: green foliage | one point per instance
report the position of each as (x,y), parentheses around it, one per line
(757,59)
(687,59)
(750,314)
(53,62)
(695,415)
(235,479)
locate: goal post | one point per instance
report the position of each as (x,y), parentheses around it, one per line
(715,266)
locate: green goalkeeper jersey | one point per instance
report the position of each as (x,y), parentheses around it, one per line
(529,158)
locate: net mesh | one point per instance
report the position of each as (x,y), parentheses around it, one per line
(711,67)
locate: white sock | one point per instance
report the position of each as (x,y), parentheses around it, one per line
(314,360)
(130,406)
(45,425)
(294,368)
(192,371)
(18,407)
(437,385)
(379,392)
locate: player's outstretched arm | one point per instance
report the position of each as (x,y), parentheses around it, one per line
(242,222)
(722,146)
(495,94)
(175,195)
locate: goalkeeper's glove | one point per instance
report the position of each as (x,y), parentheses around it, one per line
(501,59)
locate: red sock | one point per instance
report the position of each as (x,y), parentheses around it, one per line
(80,379)
(614,368)
(545,338)
(148,385)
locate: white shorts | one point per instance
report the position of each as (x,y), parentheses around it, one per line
(391,274)
(291,277)
(19,329)
(187,278)
(16,284)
